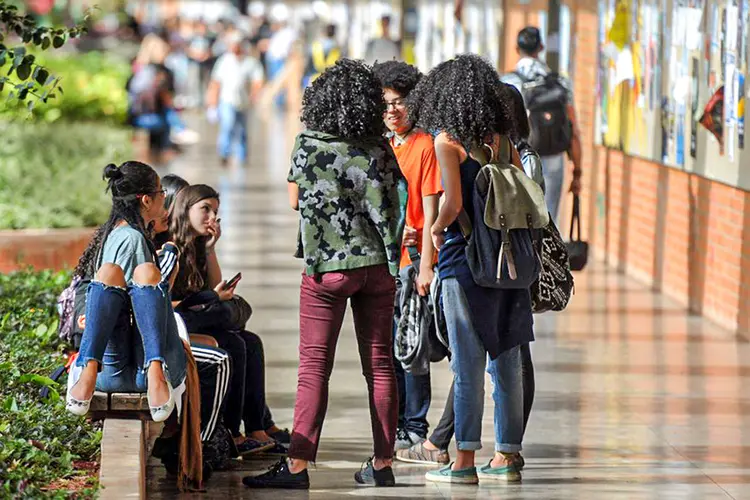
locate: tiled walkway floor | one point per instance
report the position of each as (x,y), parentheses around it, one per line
(635,399)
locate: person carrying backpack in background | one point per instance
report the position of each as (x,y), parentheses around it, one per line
(549,101)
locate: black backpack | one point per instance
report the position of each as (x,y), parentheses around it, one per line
(546,100)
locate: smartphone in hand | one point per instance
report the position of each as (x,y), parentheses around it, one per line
(233,282)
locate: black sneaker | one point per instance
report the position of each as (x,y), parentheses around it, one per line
(283,436)
(369,476)
(251,446)
(280,477)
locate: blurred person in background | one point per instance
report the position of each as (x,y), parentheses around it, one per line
(558,102)
(280,46)
(324,52)
(225,30)
(199,51)
(178,61)
(236,80)
(151,100)
(384,48)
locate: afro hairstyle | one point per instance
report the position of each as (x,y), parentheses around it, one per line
(346,101)
(397,75)
(464,98)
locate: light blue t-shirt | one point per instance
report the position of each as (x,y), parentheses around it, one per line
(127,248)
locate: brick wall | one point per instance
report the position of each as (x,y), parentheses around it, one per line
(42,249)
(687,236)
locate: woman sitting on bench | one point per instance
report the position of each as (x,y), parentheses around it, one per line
(117,354)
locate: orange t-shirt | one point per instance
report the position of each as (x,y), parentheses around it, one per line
(417,160)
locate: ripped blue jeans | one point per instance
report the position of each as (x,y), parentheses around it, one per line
(124,350)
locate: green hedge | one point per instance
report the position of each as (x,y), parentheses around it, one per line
(93,89)
(51,174)
(39,440)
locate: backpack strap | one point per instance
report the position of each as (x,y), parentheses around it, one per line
(415,258)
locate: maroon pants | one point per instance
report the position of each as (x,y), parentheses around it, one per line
(323,300)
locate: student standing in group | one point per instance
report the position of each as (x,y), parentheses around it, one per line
(347,186)
(464,101)
(415,153)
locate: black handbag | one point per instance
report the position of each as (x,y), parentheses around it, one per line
(553,289)
(205,312)
(578,250)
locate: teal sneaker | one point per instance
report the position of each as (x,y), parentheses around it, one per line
(446,475)
(508,473)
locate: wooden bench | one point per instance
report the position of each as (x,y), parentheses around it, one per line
(124,448)
(125,438)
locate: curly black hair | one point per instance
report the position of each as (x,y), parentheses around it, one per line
(522,129)
(464,98)
(397,75)
(345,101)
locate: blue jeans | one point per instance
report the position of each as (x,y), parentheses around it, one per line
(468,361)
(414,399)
(232,130)
(124,352)
(274,66)
(554,174)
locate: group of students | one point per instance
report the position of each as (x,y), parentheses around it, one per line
(152,279)
(382,174)
(369,204)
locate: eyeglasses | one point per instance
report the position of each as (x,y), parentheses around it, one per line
(161,191)
(396,104)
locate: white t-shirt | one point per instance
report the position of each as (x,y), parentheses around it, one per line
(236,76)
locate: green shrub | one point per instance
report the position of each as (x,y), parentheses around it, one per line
(38,439)
(93,89)
(51,174)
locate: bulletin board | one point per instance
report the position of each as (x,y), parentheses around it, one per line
(672,82)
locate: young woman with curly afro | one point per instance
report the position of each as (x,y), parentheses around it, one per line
(346,184)
(415,153)
(471,112)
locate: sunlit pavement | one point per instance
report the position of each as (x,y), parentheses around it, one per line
(635,398)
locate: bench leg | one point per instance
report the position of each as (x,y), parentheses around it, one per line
(123,469)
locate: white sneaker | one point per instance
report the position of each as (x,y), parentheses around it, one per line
(185,137)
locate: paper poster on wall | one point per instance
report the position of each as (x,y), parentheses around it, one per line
(694,89)
(713,117)
(730,105)
(723,45)
(713,46)
(741,110)
(744,57)
(692,19)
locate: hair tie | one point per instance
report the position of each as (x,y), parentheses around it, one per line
(112,172)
